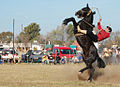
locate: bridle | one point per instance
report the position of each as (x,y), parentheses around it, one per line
(90,11)
(89,14)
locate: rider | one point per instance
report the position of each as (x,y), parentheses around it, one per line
(103,34)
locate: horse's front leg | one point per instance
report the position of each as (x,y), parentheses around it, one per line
(67,20)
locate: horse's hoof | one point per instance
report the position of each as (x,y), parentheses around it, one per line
(89,81)
(65,22)
(79,72)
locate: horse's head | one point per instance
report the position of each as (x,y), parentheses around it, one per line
(84,12)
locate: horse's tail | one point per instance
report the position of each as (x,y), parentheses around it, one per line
(100,63)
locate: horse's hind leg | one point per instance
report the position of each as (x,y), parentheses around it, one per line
(91,74)
(82,70)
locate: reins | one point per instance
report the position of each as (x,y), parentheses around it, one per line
(89,14)
(88,23)
(97,11)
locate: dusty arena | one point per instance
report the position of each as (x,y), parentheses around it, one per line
(40,75)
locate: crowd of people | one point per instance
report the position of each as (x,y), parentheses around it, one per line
(111,56)
(7,56)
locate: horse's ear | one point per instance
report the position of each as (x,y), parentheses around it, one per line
(87,5)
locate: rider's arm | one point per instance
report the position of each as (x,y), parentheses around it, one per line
(99,25)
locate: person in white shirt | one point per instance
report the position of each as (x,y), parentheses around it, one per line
(16,58)
(10,55)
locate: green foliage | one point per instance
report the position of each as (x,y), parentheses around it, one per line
(56,36)
(69,31)
(32,31)
(6,37)
(59,42)
(71,41)
(62,35)
(117,40)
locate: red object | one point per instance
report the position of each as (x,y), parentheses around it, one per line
(102,34)
(63,52)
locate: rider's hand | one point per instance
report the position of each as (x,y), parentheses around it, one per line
(100,20)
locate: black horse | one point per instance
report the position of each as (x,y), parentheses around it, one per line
(90,54)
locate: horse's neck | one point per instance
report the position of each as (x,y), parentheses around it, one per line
(89,19)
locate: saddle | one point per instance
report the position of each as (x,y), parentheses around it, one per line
(78,33)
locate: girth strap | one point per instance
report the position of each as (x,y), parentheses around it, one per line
(78,34)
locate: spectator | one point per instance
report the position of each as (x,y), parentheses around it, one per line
(80,58)
(118,54)
(63,60)
(10,55)
(107,56)
(114,59)
(50,59)
(57,59)
(4,59)
(45,59)
(16,58)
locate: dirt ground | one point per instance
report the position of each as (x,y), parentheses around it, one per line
(40,75)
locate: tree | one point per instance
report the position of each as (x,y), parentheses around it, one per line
(116,37)
(56,36)
(117,40)
(22,38)
(6,37)
(41,39)
(61,35)
(70,34)
(69,31)
(32,31)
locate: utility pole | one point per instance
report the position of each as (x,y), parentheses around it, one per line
(13,38)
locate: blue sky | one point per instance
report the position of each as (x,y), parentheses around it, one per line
(50,13)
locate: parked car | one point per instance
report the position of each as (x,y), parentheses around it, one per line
(33,56)
(1,50)
(66,52)
(5,54)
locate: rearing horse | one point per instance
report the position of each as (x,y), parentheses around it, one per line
(90,54)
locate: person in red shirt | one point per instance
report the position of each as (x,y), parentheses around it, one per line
(103,34)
